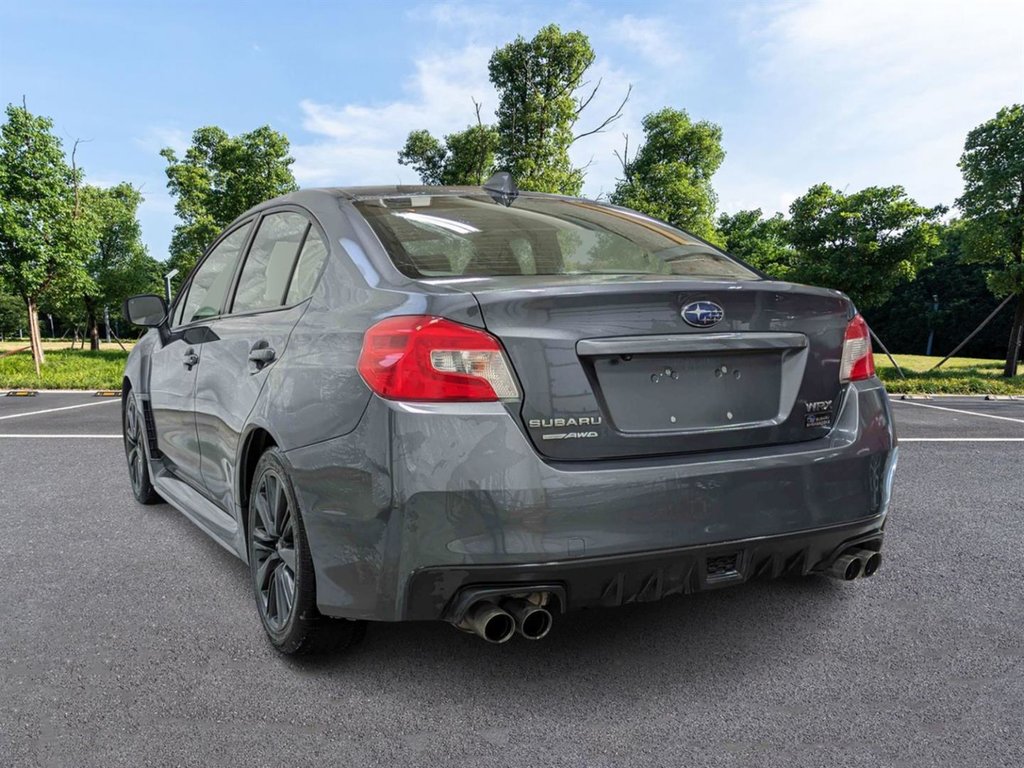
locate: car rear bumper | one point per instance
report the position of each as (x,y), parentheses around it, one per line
(588,582)
(422,501)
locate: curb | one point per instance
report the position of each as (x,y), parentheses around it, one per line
(971,396)
(34,392)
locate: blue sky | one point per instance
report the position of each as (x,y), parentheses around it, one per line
(872,92)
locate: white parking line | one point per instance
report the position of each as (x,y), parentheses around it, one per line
(962,439)
(957,410)
(67,437)
(902,439)
(62,408)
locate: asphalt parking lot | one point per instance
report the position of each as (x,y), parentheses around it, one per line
(127,637)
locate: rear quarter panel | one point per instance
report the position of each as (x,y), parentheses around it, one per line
(315,392)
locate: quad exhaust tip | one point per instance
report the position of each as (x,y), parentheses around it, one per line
(854,563)
(872,561)
(497,622)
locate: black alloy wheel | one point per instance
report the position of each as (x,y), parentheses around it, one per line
(134,430)
(273,550)
(282,569)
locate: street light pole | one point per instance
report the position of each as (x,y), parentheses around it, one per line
(167,284)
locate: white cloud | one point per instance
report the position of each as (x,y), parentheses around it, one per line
(474,18)
(876,92)
(358,143)
(652,38)
(156,137)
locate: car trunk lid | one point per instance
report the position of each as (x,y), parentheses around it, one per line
(609,367)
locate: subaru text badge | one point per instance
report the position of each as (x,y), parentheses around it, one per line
(702,314)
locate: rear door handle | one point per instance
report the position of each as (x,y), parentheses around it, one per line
(261,354)
(191,359)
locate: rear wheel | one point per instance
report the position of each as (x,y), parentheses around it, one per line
(133,428)
(282,570)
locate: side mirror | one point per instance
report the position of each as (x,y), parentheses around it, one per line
(148,310)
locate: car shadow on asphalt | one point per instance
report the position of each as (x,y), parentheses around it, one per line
(702,641)
(721,636)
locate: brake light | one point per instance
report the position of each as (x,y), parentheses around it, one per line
(857,362)
(418,357)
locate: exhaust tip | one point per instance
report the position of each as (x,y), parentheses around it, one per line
(532,621)
(872,561)
(536,625)
(491,623)
(846,567)
(499,628)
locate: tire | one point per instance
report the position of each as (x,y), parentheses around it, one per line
(282,571)
(133,430)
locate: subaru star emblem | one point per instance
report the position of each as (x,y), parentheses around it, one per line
(702,314)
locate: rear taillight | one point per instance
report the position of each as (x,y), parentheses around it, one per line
(857,362)
(417,357)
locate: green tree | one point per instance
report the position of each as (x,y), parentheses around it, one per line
(538,83)
(219,178)
(12,314)
(542,94)
(45,231)
(463,158)
(959,288)
(669,177)
(865,243)
(119,264)
(993,203)
(762,243)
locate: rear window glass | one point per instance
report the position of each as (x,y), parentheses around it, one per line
(472,235)
(312,257)
(268,266)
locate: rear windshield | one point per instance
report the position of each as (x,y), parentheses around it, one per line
(473,235)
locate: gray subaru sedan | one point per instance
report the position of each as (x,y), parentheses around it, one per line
(488,407)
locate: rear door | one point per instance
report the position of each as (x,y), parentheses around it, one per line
(175,365)
(275,279)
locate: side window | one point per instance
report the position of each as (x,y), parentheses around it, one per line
(311,259)
(179,311)
(211,281)
(268,266)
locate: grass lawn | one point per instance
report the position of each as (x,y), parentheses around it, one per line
(82,369)
(959,376)
(64,368)
(11,344)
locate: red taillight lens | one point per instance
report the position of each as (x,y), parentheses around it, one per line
(857,362)
(417,357)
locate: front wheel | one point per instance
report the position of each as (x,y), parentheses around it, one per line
(134,431)
(282,570)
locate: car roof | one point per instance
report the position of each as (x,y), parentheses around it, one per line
(311,194)
(398,190)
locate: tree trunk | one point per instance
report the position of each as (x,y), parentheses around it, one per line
(33,335)
(1013,349)
(93,325)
